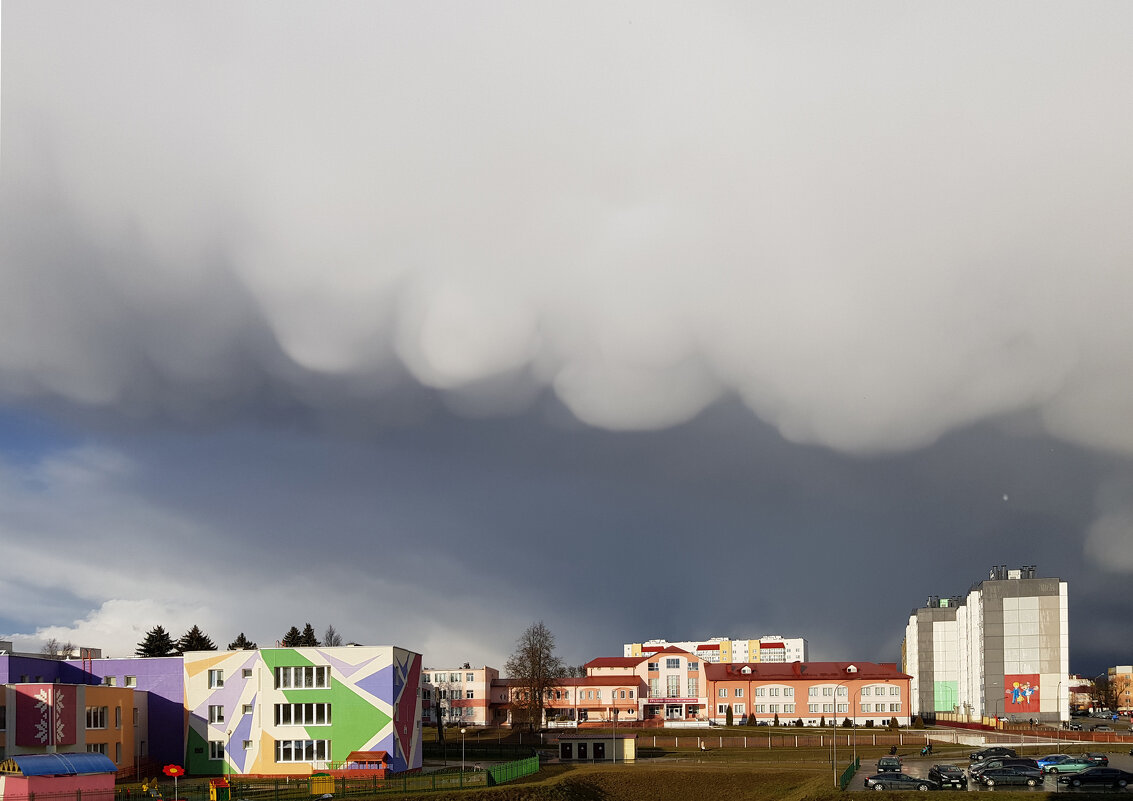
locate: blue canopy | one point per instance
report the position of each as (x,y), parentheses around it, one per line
(58,764)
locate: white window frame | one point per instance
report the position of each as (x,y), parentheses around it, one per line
(216,679)
(216,713)
(216,750)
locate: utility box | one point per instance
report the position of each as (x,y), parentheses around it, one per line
(219,790)
(322,784)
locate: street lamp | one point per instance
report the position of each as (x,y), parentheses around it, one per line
(462,730)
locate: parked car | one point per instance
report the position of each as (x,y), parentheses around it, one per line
(948,776)
(899,781)
(1074,764)
(1098,760)
(977,769)
(886,764)
(1102,728)
(1074,726)
(1012,774)
(1051,759)
(991,753)
(1109,777)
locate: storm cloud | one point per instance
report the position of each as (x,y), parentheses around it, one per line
(851,236)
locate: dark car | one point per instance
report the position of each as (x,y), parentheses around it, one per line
(1012,774)
(991,753)
(948,776)
(1099,760)
(1110,777)
(886,764)
(899,781)
(991,764)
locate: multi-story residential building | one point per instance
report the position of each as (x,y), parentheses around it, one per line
(1121,687)
(768,648)
(459,695)
(294,710)
(1001,651)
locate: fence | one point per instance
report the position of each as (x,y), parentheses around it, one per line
(848,773)
(73,795)
(845,737)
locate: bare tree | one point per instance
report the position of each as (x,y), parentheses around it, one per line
(331,638)
(53,649)
(534,670)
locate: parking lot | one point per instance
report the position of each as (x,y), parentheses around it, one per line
(915,765)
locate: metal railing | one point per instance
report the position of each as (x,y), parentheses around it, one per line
(848,774)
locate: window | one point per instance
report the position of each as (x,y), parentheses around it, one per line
(721,709)
(788,707)
(828,707)
(813,691)
(812,707)
(739,692)
(693,665)
(303,677)
(216,714)
(652,666)
(879,707)
(759,708)
(248,709)
(827,690)
(117,717)
(842,708)
(738,708)
(247,745)
(894,690)
(469,677)
(118,752)
(109,681)
(790,691)
(894,707)
(839,690)
(425,678)
(96,748)
(216,749)
(454,677)
(865,707)
(469,694)
(654,687)
(693,687)
(631,693)
(722,692)
(131,681)
(246,673)
(302,750)
(598,694)
(774,690)
(673,663)
(673,685)
(865,691)
(96,717)
(775,708)
(761,691)
(216,679)
(302,715)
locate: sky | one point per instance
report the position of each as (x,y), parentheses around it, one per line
(429,321)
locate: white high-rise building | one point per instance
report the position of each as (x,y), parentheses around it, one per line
(1000,651)
(723,650)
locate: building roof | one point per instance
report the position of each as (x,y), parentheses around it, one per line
(58,764)
(616,661)
(368,757)
(708,647)
(794,671)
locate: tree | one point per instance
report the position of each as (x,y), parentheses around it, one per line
(822,722)
(893,723)
(847,723)
(242,643)
(195,640)
(776,721)
(53,649)
(729,717)
(157,642)
(331,638)
(534,670)
(292,639)
(308,638)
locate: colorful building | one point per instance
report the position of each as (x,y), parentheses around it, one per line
(297,710)
(45,718)
(768,648)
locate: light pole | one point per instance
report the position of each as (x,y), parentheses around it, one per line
(462,730)
(834,728)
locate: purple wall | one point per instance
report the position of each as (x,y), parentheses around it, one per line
(163,678)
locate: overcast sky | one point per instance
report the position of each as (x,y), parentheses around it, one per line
(429,320)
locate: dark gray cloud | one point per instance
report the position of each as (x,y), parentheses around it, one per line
(773,307)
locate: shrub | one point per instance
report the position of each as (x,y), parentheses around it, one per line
(729,719)
(869,723)
(893,723)
(918,723)
(822,722)
(847,723)
(799,723)
(776,721)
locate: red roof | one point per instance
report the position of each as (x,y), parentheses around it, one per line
(772,645)
(794,671)
(615,661)
(708,647)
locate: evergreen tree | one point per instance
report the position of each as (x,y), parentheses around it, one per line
(195,640)
(776,721)
(292,639)
(729,718)
(242,643)
(157,642)
(308,638)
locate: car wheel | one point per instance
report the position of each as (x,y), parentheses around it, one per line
(1121,783)
(1032,782)
(1053,770)
(989,782)
(922,787)
(878,787)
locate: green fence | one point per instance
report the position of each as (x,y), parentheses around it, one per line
(304,789)
(848,773)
